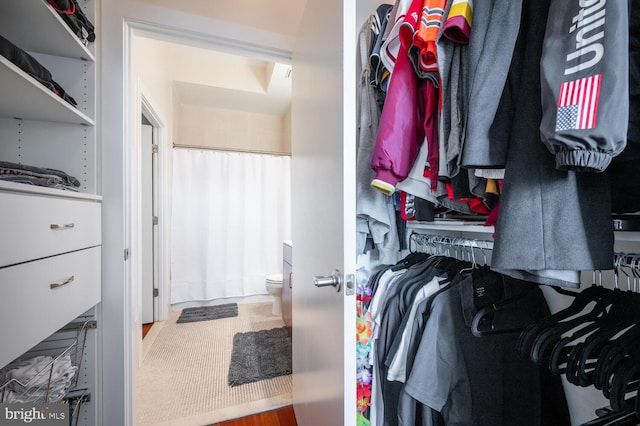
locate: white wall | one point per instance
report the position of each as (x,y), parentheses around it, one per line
(277,16)
(287,129)
(118,18)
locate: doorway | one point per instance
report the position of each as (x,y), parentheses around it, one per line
(119,105)
(161,72)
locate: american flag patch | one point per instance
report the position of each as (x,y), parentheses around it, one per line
(578,103)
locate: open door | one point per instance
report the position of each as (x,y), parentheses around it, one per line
(323,214)
(147,225)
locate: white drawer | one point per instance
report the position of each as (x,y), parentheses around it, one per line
(31,310)
(33,227)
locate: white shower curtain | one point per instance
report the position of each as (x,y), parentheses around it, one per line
(231,213)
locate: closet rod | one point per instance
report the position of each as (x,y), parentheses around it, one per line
(627,260)
(429,239)
(239,150)
(624,260)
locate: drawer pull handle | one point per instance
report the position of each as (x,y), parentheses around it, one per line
(62,225)
(65,282)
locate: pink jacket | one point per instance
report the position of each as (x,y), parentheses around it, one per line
(409,112)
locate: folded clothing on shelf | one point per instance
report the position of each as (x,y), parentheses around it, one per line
(40,176)
(35,69)
(38,379)
(76,20)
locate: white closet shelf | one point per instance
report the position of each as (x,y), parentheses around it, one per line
(25,98)
(34,26)
(41,190)
(628,236)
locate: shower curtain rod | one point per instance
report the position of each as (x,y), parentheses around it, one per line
(239,150)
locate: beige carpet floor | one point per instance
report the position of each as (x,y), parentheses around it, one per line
(183,378)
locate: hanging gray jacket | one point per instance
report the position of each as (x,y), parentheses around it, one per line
(552,223)
(585,83)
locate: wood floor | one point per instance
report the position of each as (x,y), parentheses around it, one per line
(145,329)
(281,417)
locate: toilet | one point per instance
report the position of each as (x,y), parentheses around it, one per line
(274,288)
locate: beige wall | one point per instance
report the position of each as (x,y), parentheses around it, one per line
(157,66)
(229,129)
(193,65)
(154,78)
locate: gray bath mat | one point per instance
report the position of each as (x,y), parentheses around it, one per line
(259,355)
(206,313)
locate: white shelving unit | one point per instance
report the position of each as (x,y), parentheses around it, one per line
(50,264)
(26,99)
(50,35)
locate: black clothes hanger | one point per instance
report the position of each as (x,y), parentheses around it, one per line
(567,320)
(614,329)
(612,356)
(624,381)
(581,301)
(410,259)
(525,340)
(485,320)
(637,406)
(613,418)
(609,344)
(584,326)
(621,317)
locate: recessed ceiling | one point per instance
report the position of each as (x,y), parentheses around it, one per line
(275,100)
(206,77)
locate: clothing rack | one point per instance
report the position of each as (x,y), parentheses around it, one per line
(458,247)
(627,260)
(623,262)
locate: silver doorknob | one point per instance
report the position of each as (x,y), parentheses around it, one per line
(334,280)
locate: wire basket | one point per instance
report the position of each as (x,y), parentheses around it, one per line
(46,373)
